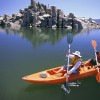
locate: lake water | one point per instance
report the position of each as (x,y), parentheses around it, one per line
(25,51)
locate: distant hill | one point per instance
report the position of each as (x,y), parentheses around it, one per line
(97,20)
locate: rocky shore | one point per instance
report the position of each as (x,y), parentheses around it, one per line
(40,15)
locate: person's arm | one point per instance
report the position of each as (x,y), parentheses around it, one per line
(69,55)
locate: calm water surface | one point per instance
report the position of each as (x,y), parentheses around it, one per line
(26,51)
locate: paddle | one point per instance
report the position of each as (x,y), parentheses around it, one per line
(69,40)
(94,44)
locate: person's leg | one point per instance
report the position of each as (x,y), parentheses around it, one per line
(89,62)
(61,69)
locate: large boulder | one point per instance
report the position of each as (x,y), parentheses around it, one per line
(80,24)
(71,15)
(54,11)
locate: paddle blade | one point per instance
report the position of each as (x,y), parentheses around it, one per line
(94,44)
(98,77)
(69,38)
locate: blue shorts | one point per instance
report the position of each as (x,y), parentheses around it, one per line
(65,67)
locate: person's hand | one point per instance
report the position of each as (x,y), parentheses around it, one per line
(67,54)
(97,69)
(95,51)
(68,72)
(97,65)
(82,63)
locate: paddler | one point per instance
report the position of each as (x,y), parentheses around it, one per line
(76,63)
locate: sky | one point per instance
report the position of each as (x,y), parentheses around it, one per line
(80,8)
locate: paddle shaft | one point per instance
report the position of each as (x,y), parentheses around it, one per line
(68,64)
(95,55)
(69,40)
(68,52)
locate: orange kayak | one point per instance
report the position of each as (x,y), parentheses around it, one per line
(49,77)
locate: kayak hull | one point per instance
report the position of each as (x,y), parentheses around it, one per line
(49,77)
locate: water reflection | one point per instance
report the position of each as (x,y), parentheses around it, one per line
(38,36)
(26,51)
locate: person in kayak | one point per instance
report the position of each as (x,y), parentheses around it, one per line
(76,62)
(92,62)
